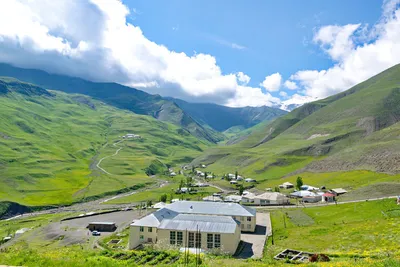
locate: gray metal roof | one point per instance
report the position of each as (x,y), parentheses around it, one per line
(154,219)
(203,223)
(211,208)
(105,223)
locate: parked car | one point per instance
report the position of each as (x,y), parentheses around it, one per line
(96,233)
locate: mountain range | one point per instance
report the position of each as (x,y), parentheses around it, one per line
(194,118)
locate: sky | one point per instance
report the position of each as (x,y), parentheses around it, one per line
(237,53)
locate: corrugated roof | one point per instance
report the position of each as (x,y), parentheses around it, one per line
(154,219)
(203,223)
(271,196)
(211,208)
(106,223)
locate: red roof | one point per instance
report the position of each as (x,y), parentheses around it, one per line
(328,195)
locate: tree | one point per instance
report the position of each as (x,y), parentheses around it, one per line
(149,203)
(276,189)
(181,184)
(193,169)
(236,175)
(163,198)
(299,182)
(189,181)
(171,196)
(241,189)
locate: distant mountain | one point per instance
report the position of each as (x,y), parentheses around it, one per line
(52,143)
(222,118)
(117,95)
(353,135)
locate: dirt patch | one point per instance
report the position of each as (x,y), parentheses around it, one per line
(368,124)
(317,136)
(372,191)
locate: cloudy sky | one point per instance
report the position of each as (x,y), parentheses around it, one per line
(235,53)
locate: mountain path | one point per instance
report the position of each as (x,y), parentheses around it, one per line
(106,157)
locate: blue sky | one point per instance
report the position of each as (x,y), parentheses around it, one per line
(236,53)
(277,36)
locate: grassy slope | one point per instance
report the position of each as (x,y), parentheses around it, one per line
(365,228)
(117,95)
(361,134)
(50,144)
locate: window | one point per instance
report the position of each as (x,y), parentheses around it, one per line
(217,241)
(141,229)
(198,240)
(150,229)
(191,240)
(242,218)
(249,226)
(242,226)
(249,219)
(210,241)
(172,237)
(179,239)
(141,237)
(149,239)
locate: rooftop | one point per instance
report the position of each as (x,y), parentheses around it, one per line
(271,196)
(211,208)
(107,223)
(154,219)
(203,223)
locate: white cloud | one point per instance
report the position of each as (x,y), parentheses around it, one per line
(290,85)
(272,82)
(243,78)
(250,96)
(354,61)
(92,39)
(283,94)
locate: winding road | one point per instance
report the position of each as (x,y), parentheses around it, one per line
(113,155)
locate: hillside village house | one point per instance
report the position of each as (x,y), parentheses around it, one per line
(177,224)
(271,198)
(286,185)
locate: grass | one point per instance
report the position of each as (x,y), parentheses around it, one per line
(369,229)
(51,143)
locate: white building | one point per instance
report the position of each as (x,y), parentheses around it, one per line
(286,185)
(177,224)
(271,198)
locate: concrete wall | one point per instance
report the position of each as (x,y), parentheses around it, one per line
(135,236)
(229,242)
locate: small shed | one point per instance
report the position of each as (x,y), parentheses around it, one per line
(249,180)
(302,193)
(159,205)
(328,197)
(233,182)
(339,191)
(248,197)
(312,199)
(233,198)
(102,226)
(286,185)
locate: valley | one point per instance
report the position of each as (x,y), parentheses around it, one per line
(70,152)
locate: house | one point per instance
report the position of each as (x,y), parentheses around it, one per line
(249,180)
(131,136)
(172,174)
(212,199)
(339,191)
(271,198)
(209,177)
(233,198)
(286,185)
(239,178)
(102,226)
(203,166)
(312,199)
(308,187)
(205,225)
(231,176)
(248,197)
(328,197)
(302,193)
(233,182)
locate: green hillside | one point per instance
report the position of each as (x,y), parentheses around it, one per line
(355,131)
(223,118)
(50,143)
(116,95)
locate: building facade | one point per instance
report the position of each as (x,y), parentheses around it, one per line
(204,225)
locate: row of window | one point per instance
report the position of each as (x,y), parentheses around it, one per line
(149,229)
(248,226)
(194,239)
